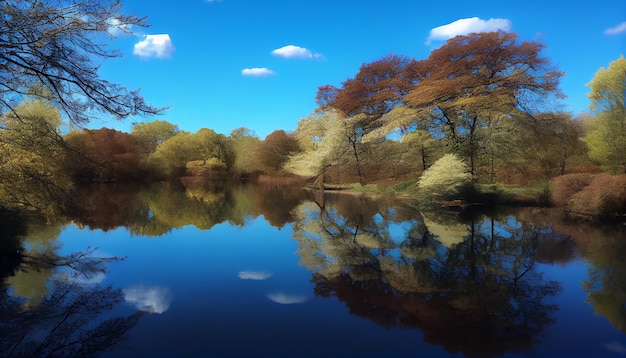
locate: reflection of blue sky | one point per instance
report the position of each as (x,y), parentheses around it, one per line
(254,275)
(154,299)
(287,299)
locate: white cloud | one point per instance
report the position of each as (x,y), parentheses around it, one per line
(467,26)
(148,299)
(285,299)
(255,275)
(291,51)
(616,30)
(159,46)
(257,72)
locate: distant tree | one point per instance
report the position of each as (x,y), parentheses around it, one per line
(55,44)
(275,150)
(154,133)
(206,149)
(105,155)
(606,136)
(245,143)
(172,154)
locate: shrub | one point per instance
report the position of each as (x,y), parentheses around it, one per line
(445,177)
(604,196)
(564,187)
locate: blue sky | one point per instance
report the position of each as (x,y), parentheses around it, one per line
(225,64)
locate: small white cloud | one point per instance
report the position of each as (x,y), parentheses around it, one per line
(285,299)
(467,26)
(616,30)
(255,275)
(148,299)
(159,46)
(291,51)
(257,72)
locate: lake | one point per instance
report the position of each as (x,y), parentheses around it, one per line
(261,271)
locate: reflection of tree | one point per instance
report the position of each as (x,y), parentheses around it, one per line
(482,296)
(108,206)
(69,320)
(604,249)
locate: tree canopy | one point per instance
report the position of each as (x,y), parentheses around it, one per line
(56,44)
(607,133)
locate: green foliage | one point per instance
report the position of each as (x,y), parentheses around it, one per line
(154,133)
(31,153)
(173,155)
(245,143)
(445,177)
(606,136)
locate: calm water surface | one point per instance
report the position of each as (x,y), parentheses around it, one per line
(262,271)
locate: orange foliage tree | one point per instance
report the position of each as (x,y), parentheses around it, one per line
(105,155)
(275,150)
(476,80)
(377,88)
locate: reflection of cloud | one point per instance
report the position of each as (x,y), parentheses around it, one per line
(467,26)
(285,299)
(83,279)
(148,299)
(616,347)
(159,46)
(254,275)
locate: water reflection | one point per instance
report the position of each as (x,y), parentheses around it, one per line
(53,306)
(254,275)
(471,282)
(479,293)
(287,299)
(153,299)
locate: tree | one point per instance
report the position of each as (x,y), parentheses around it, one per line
(606,137)
(205,148)
(154,133)
(245,143)
(105,155)
(31,153)
(55,44)
(322,140)
(275,150)
(473,80)
(377,89)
